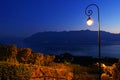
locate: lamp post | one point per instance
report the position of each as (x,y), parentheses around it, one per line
(89,12)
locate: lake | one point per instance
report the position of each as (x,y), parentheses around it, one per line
(81,50)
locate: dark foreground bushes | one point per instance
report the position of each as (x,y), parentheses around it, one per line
(14,72)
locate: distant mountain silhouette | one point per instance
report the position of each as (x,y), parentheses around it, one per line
(72,38)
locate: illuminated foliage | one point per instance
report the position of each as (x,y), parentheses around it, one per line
(38,59)
(23,54)
(48,60)
(14,72)
(8,53)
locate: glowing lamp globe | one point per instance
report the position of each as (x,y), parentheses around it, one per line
(89,21)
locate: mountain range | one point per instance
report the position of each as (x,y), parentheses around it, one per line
(72,38)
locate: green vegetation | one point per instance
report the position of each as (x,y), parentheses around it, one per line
(22,64)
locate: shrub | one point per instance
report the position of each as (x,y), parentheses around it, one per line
(14,72)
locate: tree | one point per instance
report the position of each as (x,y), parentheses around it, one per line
(48,60)
(12,52)
(23,54)
(67,57)
(8,53)
(3,53)
(116,71)
(38,59)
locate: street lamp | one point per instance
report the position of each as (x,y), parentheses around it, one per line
(89,12)
(89,21)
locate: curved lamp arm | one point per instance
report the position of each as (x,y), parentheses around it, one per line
(89,12)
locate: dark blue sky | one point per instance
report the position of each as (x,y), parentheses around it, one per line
(23,18)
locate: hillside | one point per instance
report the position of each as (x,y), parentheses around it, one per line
(72,38)
(22,64)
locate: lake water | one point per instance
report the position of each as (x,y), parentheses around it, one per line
(82,50)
